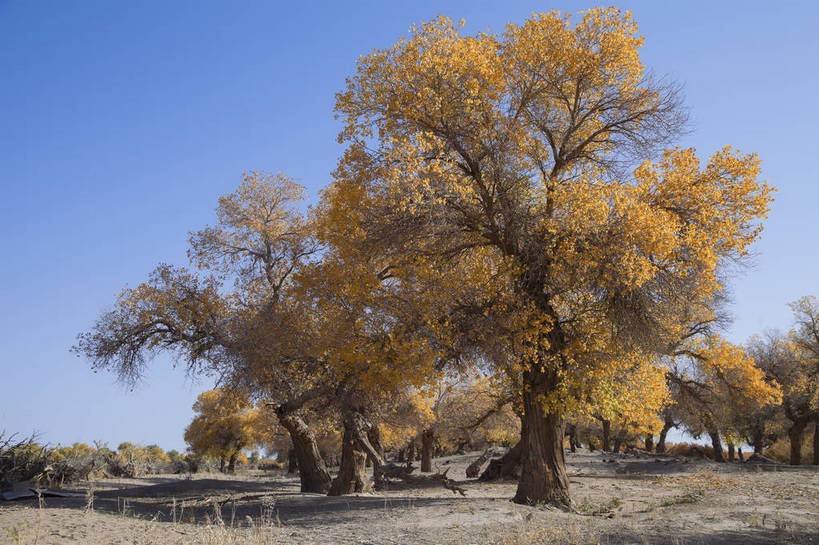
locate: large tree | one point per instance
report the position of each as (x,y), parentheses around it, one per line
(510,153)
(239,316)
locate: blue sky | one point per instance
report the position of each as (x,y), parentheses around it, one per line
(121,123)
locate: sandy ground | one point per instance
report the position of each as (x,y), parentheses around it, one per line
(618,499)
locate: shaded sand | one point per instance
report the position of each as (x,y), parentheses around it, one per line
(618,499)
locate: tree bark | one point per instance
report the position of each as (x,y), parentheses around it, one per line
(716,443)
(221,464)
(667,425)
(649,442)
(352,474)
(739,454)
(606,436)
(374,435)
(618,440)
(231,468)
(507,467)
(292,461)
(731,453)
(796,434)
(571,430)
(816,442)
(474,469)
(312,469)
(427,437)
(543,477)
(757,439)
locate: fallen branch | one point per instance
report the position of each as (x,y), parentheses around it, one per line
(474,469)
(436,479)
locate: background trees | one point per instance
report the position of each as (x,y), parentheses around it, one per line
(224,425)
(789,360)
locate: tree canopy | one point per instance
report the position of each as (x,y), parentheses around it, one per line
(508,206)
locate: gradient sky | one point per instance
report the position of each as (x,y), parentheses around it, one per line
(121,123)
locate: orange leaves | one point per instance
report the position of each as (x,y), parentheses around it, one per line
(728,373)
(224,424)
(486,167)
(630,391)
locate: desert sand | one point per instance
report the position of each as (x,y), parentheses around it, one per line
(619,499)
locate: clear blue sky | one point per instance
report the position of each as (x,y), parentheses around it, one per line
(122,122)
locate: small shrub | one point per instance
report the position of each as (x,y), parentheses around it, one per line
(589,507)
(694,495)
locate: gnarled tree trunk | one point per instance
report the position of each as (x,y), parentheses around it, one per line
(796,433)
(816,442)
(374,435)
(292,461)
(474,469)
(757,439)
(352,474)
(606,436)
(411,451)
(618,440)
(427,436)
(668,423)
(716,443)
(231,468)
(507,467)
(571,431)
(312,469)
(649,442)
(543,477)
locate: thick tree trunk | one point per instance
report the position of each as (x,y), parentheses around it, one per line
(427,437)
(543,477)
(816,442)
(507,467)
(312,469)
(796,434)
(231,468)
(374,435)
(474,469)
(667,425)
(716,443)
(606,436)
(757,439)
(731,453)
(292,461)
(352,474)
(649,442)
(571,431)
(618,440)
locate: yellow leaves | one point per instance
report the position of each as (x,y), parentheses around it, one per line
(629,390)
(225,423)
(260,235)
(729,372)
